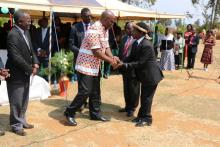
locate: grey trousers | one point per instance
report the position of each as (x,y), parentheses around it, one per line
(18,94)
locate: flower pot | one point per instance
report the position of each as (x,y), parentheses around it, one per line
(63,83)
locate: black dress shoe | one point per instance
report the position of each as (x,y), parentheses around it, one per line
(2,133)
(136,120)
(122,110)
(100,118)
(70,120)
(28,126)
(143,123)
(130,113)
(20,132)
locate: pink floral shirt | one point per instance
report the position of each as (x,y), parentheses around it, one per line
(95,38)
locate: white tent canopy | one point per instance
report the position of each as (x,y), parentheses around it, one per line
(120,9)
(73,6)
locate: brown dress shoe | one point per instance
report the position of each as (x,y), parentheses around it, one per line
(20,132)
(28,126)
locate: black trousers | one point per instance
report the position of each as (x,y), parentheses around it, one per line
(88,86)
(147,94)
(131,92)
(191,58)
(18,94)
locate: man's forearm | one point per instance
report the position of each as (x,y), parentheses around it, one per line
(108,52)
(103,56)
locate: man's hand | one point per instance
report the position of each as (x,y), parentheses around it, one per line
(35,68)
(118,65)
(34,71)
(41,53)
(116,59)
(4,72)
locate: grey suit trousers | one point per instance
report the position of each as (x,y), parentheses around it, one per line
(18,94)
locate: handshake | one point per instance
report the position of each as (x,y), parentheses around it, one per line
(116,62)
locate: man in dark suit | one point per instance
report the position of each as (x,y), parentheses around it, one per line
(147,70)
(78,31)
(77,34)
(22,62)
(130,83)
(41,42)
(192,48)
(3,74)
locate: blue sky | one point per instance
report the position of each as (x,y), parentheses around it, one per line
(179,6)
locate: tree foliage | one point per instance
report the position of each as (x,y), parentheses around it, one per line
(140,3)
(214,6)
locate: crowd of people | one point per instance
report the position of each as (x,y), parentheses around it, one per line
(175,48)
(134,55)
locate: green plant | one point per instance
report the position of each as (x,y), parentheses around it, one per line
(61,64)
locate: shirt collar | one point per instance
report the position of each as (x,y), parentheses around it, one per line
(140,39)
(21,30)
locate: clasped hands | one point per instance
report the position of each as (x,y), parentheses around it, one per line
(4,73)
(116,62)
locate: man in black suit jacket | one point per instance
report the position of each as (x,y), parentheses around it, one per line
(130,83)
(22,62)
(41,42)
(192,48)
(147,70)
(78,31)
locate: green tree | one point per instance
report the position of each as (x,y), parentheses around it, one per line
(214,5)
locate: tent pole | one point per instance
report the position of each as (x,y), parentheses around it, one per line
(50,46)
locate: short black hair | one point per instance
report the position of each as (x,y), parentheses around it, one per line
(18,14)
(126,23)
(84,10)
(179,33)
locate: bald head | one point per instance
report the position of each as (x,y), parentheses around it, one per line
(107,19)
(107,14)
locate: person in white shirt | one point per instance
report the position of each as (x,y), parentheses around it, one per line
(178,49)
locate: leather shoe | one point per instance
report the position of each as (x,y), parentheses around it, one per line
(136,120)
(122,110)
(28,126)
(70,120)
(143,123)
(130,113)
(20,132)
(100,118)
(2,133)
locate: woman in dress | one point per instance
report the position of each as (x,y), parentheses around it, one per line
(188,32)
(207,55)
(167,61)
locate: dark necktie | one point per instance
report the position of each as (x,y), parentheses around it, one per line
(86,26)
(135,45)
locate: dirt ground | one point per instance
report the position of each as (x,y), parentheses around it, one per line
(186,113)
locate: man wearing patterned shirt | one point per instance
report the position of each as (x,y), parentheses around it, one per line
(94,48)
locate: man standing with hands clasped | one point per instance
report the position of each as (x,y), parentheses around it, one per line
(94,48)
(22,63)
(142,59)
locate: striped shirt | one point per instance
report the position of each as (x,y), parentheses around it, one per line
(95,38)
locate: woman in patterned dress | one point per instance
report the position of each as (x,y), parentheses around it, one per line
(207,55)
(167,61)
